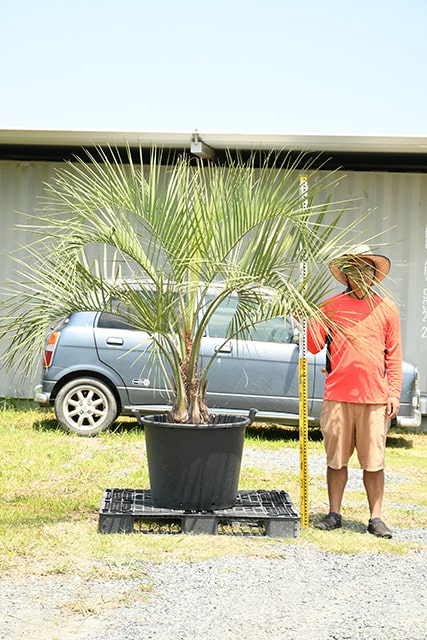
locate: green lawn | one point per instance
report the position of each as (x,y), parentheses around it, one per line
(52,484)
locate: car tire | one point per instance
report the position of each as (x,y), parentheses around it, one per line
(85,406)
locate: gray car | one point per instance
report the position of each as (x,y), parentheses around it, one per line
(96,367)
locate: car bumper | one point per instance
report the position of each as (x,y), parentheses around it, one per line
(412,421)
(40,396)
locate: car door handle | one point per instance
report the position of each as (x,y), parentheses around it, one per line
(223,348)
(115,341)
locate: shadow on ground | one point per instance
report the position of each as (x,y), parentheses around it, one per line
(261,431)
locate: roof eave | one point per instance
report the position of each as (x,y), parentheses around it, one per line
(388,153)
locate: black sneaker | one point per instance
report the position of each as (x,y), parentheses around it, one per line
(329,522)
(377,527)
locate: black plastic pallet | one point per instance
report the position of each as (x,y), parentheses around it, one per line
(271,513)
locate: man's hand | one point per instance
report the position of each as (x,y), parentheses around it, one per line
(393,405)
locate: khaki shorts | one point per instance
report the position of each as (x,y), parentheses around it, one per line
(347,426)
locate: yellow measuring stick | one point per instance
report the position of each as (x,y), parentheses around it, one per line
(303,387)
(303,438)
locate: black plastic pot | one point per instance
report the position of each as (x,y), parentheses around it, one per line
(194,467)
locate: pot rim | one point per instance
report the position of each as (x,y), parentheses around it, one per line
(221,421)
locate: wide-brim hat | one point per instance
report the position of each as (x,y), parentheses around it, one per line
(381,263)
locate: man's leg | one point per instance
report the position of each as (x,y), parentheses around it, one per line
(371,440)
(338,438)
(336,479)
(374,485)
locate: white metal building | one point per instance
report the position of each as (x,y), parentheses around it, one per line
(386,174)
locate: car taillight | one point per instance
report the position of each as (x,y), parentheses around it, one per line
(50,347)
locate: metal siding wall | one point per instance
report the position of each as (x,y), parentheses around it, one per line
(399,209)
(21,184)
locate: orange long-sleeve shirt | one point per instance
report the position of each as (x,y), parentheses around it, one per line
(365,351)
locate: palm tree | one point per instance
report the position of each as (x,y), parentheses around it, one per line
(153,241)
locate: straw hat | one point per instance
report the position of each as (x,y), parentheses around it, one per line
(381,263)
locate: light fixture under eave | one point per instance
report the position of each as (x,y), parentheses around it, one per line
(200,149)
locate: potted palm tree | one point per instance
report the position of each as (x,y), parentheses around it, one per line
(153,241)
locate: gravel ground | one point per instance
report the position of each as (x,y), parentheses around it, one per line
(301,592)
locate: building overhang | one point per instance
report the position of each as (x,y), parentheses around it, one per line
(356,153)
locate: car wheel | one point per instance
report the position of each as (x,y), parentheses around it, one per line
(85,406)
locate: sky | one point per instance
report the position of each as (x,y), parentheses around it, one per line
(300,67)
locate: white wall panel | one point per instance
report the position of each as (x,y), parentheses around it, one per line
(399,210)
(21,184)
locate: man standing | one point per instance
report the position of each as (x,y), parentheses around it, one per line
(363,379)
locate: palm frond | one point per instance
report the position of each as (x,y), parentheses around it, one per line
(110,227)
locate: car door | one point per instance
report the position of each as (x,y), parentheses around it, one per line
(261,371)
(127,351)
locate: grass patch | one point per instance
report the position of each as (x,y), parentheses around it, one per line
(51,484)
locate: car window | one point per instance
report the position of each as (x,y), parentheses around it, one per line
(222,318)
(108,320)
(275,330)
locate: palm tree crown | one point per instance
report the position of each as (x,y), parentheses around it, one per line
(153,241)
